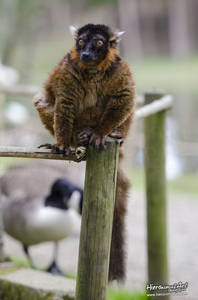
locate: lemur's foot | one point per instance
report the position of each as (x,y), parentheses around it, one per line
(67,151)
(84,136)
(58,149)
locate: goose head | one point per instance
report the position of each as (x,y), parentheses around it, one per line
(64,195)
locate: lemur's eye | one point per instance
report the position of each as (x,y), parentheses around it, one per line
(81,42)
(100,43)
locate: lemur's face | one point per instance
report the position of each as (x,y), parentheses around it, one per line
(94,42)
(92,47)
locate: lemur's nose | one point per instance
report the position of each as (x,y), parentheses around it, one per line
(86,56)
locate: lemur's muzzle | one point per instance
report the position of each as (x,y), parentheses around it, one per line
(86,57)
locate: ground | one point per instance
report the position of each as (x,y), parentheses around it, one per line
(182,244)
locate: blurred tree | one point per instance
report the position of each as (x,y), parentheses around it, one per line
(126,17)
(28,23)
(148,13)
(19,28)
(129,20)
(8,27)
(78,6)
(178,28)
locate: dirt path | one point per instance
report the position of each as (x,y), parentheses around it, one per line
(182,245)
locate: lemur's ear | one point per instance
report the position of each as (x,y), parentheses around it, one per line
(73,29)
(115,38)
(118,34)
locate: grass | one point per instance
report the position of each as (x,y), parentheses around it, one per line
(24,263)
(7,162)
(111,295)
(125,295)
(20,262)
(168,74)
(185,184)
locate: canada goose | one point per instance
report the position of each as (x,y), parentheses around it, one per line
(33,219)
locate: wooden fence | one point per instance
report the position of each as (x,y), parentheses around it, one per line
(99,198)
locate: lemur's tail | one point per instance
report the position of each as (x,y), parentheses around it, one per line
(117,255)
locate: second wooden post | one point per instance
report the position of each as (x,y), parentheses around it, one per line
(97,220)
(156,196)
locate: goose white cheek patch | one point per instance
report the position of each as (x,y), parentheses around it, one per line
(74,201)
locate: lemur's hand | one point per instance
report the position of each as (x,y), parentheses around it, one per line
(84,136)
(98,141)
(87,136)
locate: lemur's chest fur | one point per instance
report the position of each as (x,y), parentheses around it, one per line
(94,96)
(89,100)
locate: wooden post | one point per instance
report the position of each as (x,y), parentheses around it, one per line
(1,233)
(97,219)
(154,127)
(2,100)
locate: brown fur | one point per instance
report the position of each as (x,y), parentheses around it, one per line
(99,96)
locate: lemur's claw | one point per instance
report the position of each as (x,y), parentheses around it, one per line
(117,136)
(67,151)
(47,146)
(97,141)
(52,147)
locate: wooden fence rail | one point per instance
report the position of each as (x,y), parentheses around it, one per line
(33,152)
(99,201)
(20,90)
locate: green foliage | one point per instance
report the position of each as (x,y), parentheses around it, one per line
(125,295)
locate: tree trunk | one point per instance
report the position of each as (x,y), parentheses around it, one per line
(178,28)
(129,22)
(8,28)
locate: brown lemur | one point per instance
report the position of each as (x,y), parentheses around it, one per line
(88,96)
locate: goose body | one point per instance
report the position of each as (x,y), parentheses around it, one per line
(41,224)
(34,217)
